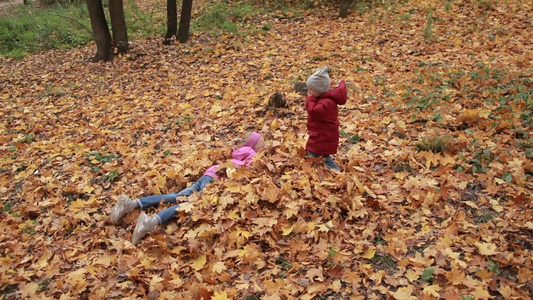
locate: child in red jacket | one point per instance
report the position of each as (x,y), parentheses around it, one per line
(322,116)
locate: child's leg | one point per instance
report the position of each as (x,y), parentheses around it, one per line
(167,214)
(123,206)
(312,154)
(329,160)
(330,163)
(146,223)
(198,186)
(154,200)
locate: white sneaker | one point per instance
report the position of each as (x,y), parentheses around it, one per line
(120,209)
(142,228)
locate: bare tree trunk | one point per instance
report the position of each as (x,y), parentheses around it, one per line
(172,19)
(104,49)
(185,21)
(118,23)
(343,12)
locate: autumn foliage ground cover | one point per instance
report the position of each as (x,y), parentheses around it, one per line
(433,201)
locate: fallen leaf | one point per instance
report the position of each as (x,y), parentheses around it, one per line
(198,263)
(486,248)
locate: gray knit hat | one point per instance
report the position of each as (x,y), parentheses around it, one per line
(319,81)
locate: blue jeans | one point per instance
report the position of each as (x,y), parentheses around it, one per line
(329,161)
(167,214)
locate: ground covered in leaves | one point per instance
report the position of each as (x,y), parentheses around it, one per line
(433,201)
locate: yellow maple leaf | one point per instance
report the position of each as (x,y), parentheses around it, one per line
(199,262)
(5,263)
(219,296)
(506,291)
(29,289)
(186,207)
(432,290)
(403,293)
(161,181)
(495,205)
(524,275)
(486,248)
(265,222)
(273,296)
(315,275)
(369,253)
(274,124)
(219,267)
(484,274)
(233,214)
(412,275)
(481,293)
(455,276)
(156,283)
(287,230)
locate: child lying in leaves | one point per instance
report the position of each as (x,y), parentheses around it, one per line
(240,157)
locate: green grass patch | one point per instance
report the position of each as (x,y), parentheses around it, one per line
(96,158)
(508,92)
(402,166)
(103,158)
(331,257)
(427,276)
(424,99)
(7,207)
(352,138)
(111,176)
(30,29)
(27,139)
(227,18)
(43,284)
(484,217)
(430,23)
(283,263)
(140,23)
(493,267)
(435,144)
(364,7)
(482,157)
(384,261)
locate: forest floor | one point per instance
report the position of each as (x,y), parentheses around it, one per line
(433,200)
(6,4)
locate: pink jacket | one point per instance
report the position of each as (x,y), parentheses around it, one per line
(240,157)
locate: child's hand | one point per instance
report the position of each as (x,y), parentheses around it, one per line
(313,93)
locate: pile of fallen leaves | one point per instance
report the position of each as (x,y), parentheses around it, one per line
(433,201)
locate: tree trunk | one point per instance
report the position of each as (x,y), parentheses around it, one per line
(172,19)
(185,21)
(343,12)
(118,23)
(104,49)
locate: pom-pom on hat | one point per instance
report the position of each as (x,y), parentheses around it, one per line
(319,81)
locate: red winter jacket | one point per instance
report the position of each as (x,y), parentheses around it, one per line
(323,121)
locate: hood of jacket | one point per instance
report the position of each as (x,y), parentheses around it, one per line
(338,94)
(243,156)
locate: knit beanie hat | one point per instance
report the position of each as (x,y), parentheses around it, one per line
(319,81)
(252,140)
